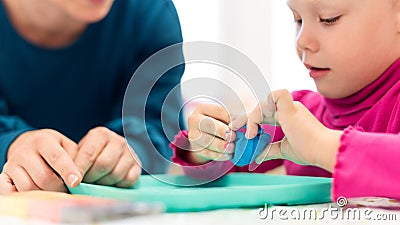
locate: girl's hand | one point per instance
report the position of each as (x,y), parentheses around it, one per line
(307,141)
(106,158)
(209,135)
(40,160)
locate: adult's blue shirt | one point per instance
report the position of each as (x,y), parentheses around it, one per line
(81,86)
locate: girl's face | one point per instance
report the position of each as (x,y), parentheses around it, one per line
(84,10)
(346,45)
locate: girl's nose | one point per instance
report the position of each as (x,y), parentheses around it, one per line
(306,40)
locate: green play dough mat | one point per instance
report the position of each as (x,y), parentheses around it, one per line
(231,191)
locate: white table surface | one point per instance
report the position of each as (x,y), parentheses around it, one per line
(233,217)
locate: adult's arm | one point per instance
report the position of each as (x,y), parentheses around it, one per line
(151,112)
(11,127)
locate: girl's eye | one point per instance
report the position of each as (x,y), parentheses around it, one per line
(329,21)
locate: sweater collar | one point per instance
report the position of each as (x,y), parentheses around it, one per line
(347,111)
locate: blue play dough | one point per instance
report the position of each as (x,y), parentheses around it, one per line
(246,150)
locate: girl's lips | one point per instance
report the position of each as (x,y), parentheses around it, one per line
(318,72)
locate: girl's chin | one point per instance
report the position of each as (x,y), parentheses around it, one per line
(332,94)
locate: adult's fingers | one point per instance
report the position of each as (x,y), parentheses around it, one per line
(70,146)
(90,147)
(119,172)
(20,177)
(41,174)
(61,162)
(106,161)
(131,177)
(6,184)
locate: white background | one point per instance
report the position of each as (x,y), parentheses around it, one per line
(261,29)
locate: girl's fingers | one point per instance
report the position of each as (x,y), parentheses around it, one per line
(208,125)
(207,141)
(215,156)
(206,155)
(269,109)
(284,105)
(272,151)
(238,122)
(265,112)
(215,111)
(251,130)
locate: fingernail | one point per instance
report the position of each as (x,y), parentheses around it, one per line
(259,160)
(227,136)
(226,146)
(231,126)
(247,135)
(72,179)
(229,147)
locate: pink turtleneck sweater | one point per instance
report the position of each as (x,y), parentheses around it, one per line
(368,160)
